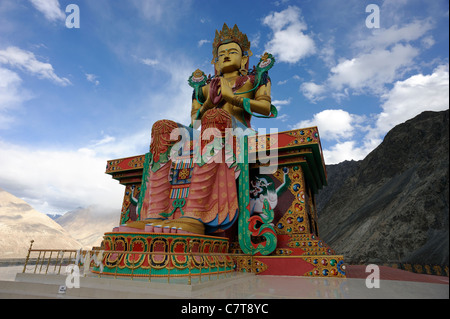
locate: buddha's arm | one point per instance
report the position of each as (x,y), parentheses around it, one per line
(196,106)
(260,103)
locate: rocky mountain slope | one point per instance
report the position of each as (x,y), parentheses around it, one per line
(88,225)
(20,223)
(393,206)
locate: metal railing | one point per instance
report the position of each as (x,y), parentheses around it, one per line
(55,261)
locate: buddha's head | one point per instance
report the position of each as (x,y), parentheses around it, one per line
(231,50)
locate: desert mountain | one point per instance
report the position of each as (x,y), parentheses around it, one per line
(20,223)
(393,206)
(88,225)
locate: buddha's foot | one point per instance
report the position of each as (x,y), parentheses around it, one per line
(141,224)
(177,226)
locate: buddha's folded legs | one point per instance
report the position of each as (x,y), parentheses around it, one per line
(157,185)
(211,204)
(156,199)
(212,197)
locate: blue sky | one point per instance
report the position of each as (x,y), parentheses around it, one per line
(72,98)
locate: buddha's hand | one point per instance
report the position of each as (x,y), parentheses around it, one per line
(226,90)
(215,92)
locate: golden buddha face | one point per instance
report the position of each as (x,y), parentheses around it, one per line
(230,58)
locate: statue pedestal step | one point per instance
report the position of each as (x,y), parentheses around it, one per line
(295,255)
(294,265)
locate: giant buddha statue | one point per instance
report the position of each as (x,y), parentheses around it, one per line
(199,196)
(212,178)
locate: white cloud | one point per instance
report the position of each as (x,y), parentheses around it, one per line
(341,127)
(393,10)
(150,9)
(380,59)
(164,13)
(12,92)
(149,62)
(280,103)
(26,61)
(9,85)
(111,147)
(283,117)
(372,71)
(58,180)
(412,96)
(202,42)
(255,40)
(104,140)
(8,79)
(280,2)
(12,95)
(344,151)
(383,38)
(407,99)
(333,124)
(92,78)
(50,8)
(327,52)
(428,42)
(174,100)
(289,43)
(312,91)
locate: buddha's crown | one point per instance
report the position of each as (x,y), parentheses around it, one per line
(228,35)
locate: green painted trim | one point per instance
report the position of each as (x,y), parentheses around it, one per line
(148,158)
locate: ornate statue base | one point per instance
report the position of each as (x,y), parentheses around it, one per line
(164,254)
(277,231)
(188,255)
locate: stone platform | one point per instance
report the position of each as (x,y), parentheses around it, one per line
(232,287)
